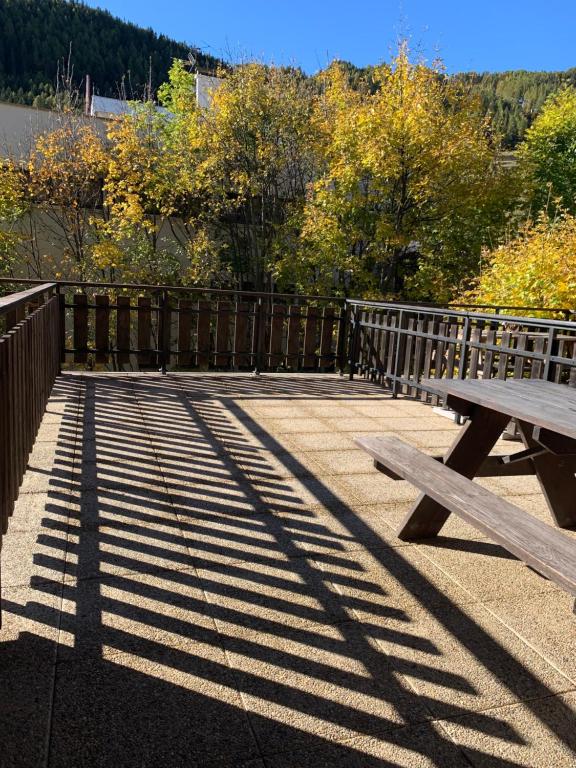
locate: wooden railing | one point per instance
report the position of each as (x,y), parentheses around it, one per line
(139,327)
(399,345)
(29,364)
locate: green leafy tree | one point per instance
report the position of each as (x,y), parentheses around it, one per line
(549,152)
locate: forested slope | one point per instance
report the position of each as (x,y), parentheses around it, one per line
(40,36)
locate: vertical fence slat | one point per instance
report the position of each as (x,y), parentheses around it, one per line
(520,360)
(222,356)
(241,335)
(475,336)
(408,356)
(538,365)
(310,341)
(203,334)
(123,329)
(431,328)
(80,327)
(184,333)
(418,356)
(505,341)
(102,329)
(293,340)
(276,335)
(145,330)
(489,355)
(327,359)
(453,330)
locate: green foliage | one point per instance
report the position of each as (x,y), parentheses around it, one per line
(385,185)
(13,206)
(38,35)
(549,152)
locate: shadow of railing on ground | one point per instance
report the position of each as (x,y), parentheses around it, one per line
(199,623)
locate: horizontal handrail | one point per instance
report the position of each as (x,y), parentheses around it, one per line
(15,300)
(444,311)
(272,295)
(177,289)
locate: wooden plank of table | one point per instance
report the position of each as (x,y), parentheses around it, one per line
(544,548)
(557,480)
(467,454)
(540,403)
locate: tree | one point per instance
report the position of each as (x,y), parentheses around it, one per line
(64,188)
(136,238)
(247,159)
(535,269)
(12,208)
(409,180)
(549,152)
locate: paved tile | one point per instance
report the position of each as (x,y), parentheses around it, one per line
(172,708)
(485,568)
(536,734)
(546,622)
(422,746)
(206,567)
(337,689)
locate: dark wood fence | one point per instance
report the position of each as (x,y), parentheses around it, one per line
(399,345)
(142,327)
(29,364)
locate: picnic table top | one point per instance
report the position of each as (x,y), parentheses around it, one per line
(540,403)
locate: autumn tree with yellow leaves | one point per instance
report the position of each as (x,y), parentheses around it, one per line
(64,176)
(390,188)
(537,268)
(411,187)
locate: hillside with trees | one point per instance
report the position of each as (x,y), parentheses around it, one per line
(41,37)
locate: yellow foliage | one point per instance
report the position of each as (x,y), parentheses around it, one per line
(535,269)
(403,165)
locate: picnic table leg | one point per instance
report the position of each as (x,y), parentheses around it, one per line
(557,480)
(473,444)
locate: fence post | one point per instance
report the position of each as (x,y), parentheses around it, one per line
(551,350)
(398,353)
(61,327)
(353,342)
(341,349)
(164,331)
(259,335)
(464,348)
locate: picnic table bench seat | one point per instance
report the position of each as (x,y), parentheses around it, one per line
(546,549)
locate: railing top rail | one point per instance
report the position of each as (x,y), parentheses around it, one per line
(175,289)
(496,317)
(14,300)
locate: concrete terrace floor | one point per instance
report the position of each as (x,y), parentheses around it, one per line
(202,571)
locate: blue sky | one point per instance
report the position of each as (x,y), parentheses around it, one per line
(481,35)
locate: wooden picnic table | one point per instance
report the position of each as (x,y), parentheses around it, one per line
(546,416)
